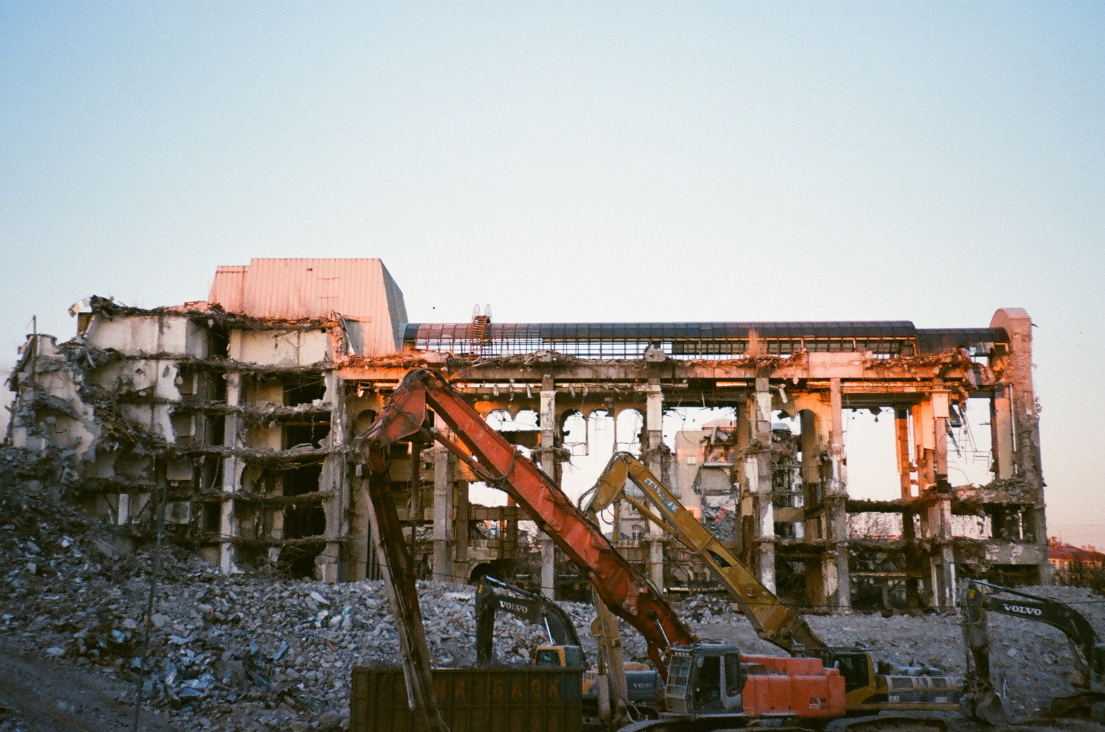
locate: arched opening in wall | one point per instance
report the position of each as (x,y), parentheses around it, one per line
(870,450)
(787,490)
(970,463)
(969,441)
(576,473)
(500,569)
(629,431)
(363,422)
(521,431)
(574,433)
(587,461)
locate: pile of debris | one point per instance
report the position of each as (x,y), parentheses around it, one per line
(257,653)
(237,652)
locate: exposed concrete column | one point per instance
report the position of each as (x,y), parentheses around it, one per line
(905,458)
(940,512)
(811,484)
(1001,432)
(811,467)
(654,417)
(233,466)
(359,529)
(757,469)
(742,495)
(332,484)
(1025,424)
(548,464)
(836,516)
(924,446)
(905,471)
(443,514)
(461,514)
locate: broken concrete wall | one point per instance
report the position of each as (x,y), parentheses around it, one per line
(48,408)
(282,348)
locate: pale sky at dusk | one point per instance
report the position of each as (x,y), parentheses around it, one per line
(581,162)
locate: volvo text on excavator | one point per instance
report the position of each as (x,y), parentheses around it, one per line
(981,699)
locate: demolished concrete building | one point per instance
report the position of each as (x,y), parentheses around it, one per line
(243,410)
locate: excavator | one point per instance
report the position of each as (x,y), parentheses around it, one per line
(870,688)
(980,698)
(563,650)
(492,595)
(707,685)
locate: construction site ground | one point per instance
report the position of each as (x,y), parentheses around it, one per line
(255,652)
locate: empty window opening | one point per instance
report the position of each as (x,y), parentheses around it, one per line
(217,385)
(969,438)
(305,433)
(871,457)
(211,517)
(216,429)
(302,479)
(301,521)
(218,342)
(304,390)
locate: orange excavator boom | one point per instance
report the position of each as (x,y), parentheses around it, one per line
(498,463)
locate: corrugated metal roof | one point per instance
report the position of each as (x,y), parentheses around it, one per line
(228,286)
(302,289)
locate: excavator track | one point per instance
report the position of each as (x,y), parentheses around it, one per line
(897,722)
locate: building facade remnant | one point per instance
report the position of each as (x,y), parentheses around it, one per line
(245,409)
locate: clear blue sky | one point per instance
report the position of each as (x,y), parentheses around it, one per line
(593,161)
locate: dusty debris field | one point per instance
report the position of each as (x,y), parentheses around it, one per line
(261,653)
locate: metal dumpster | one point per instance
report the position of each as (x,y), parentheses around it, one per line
(473,700)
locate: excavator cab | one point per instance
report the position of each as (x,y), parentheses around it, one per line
(854,665)
(558,657)
(705,680)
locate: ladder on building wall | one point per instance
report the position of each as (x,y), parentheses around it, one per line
(477,334)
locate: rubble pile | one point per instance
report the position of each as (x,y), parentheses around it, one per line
(232,652)
(253,653)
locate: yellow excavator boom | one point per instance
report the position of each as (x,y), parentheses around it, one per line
(772,619)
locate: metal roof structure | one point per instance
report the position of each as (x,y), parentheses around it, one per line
(693,340)
(360,291)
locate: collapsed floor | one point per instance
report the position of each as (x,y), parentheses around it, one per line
(256,652)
